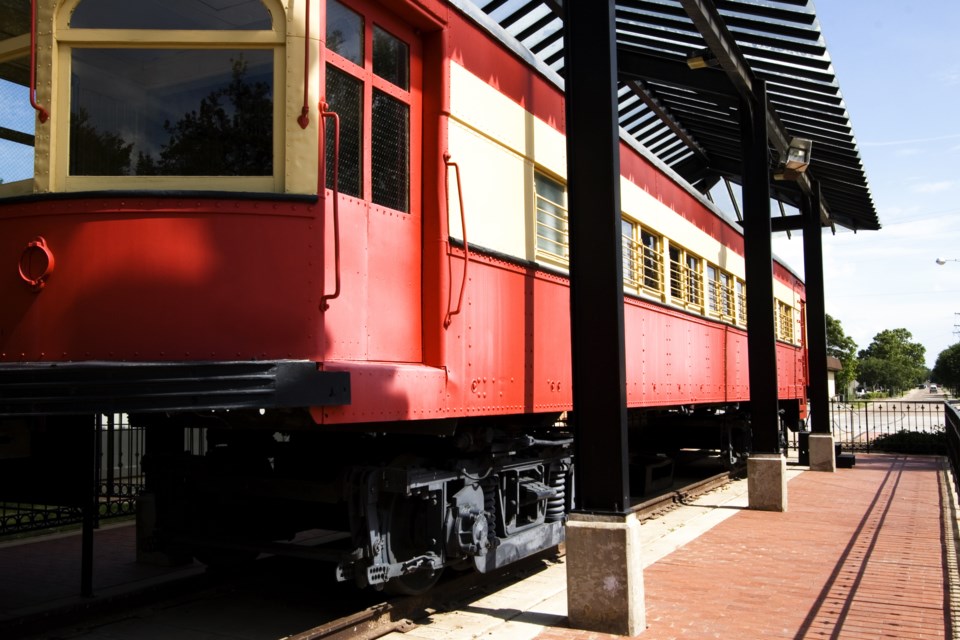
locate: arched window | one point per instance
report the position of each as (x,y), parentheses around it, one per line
(185,88)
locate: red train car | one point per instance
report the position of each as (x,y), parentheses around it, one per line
(365,304)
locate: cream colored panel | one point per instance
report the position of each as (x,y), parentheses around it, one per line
(302,156)
(493,183)
(785,294)
(660,218)
(550,148)
(481,107)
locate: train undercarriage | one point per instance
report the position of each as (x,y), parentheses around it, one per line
(410,506)
(479,494)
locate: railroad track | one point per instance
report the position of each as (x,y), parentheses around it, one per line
(660,504)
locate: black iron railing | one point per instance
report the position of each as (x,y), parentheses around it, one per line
(119,479)
(871,425)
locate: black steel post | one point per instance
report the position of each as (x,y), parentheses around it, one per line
(816,313)
(596,268)
(89,509)
(758,249)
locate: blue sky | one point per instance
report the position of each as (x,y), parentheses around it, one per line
(899,74)
(16,114)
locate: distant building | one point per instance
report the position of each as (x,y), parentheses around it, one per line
(833,365)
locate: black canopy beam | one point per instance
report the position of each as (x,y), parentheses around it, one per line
(723,45)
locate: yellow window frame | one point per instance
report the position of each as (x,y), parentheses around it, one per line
(66,39)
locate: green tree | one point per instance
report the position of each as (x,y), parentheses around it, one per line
(231,134)
(842,347)
(892,361)
(94,152)
(947,369)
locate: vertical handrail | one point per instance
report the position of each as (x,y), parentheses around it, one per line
(304,118)
(463,225)
(325,298)
(41,112)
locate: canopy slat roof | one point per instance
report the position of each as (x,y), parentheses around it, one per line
(689,118)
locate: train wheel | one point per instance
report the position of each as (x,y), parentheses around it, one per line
(413,584)
(411,529)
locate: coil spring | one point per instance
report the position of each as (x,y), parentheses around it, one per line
(557,505)
(489,486)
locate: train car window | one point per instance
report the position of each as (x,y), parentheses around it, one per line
(726,295)
(784,321)
(676,274)
(171,14)
(143,107)
(391,58)
(694,281)
(180,112)
(652,261)
(629,251)
(345,32)
(345,96)
(686,279)
(369,86)
(713,285)
(389,151)
(17,121)
(553,240)
(642,259)
(741,299)
(17,118)
(720,293)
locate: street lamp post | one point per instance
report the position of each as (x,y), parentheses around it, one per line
(943,261)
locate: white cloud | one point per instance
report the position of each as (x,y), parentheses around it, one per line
(934,187)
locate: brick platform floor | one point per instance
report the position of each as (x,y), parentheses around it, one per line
(861,553)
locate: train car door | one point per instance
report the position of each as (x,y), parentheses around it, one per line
(373,81)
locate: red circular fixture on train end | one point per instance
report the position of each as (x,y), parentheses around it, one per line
(36,263)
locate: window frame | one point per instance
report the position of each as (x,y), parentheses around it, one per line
(786,323)
(541,253)
(686,279)
(740,301)
(412,97)
(66,39)
(719,293)
(13,49)
(642,264)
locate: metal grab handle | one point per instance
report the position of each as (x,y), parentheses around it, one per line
(324,304)
(304,118)
(463,226)
(43,114)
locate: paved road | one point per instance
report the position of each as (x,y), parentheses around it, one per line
(915,394)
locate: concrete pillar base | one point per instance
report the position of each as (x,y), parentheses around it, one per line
(605,574)
(822,454)
(767,482)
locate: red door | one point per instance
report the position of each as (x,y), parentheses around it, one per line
(373,80)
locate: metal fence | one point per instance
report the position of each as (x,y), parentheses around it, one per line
(857,425)
(119,479)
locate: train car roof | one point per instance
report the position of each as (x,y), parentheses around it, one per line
(687,117)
